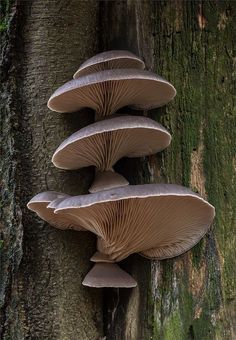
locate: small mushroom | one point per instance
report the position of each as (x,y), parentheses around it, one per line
(109,60)
(103,143)
(108,91)
(39,204)
(108,275)
(156,220)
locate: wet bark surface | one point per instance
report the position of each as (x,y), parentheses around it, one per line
(192,45)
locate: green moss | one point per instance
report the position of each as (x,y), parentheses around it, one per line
(3,26)
(199,61)
(172,328)
(5,9)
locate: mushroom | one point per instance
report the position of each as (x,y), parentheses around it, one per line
(103,143)
(109,60)
(156,220)
(39,204)
(108,91)
(108,275)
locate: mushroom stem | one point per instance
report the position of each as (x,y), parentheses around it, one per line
(108,275)
(113,251)
(105,180)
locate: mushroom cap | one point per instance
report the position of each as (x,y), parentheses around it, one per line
(108,275)
(109,60)
(103,143)
(40,203)
(107,180)
(107,91)
(169,219)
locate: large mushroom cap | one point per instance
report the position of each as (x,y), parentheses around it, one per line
(108,275)
(163,219)
(109,60)
(40,203)
(108,91)
(103,143)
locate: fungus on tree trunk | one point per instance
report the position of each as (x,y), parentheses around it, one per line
(103,143)
(109,60)
(39,204)
(107,91)
(156,220)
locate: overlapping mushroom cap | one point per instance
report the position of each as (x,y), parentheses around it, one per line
(108,91)
(39,204)
(157,220)
(103,143)
(109,60)
(108,275)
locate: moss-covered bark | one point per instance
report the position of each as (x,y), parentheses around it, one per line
(191,43)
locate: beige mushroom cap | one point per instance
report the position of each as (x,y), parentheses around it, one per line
(161,219)
(40,203)
(103,143)
(108,275)
(106,180)
(109,60)
(107,91)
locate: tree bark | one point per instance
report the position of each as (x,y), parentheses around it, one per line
(192,44)
(42,295)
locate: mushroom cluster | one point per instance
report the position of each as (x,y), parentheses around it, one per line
(157,221)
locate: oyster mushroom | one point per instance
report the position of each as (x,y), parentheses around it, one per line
(156,220)
(103,143)
(39,204)
(109,60)
(108,91)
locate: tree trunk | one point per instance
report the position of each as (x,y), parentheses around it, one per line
(192,44)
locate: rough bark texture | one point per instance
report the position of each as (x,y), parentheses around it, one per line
(192,44)
(41,292)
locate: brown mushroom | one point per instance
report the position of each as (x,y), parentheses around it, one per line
(39,204)
(156,220)
(109,60)
(103,143)
(108,91)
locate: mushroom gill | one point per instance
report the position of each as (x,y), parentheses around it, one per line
(156,220)
(108,91)
(103,143)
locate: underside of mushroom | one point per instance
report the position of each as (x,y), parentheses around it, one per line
(107,91)
(163,220)
(41,204)
(103,143)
